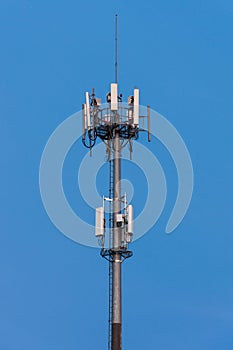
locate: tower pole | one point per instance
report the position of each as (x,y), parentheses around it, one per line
(116,125)
(117,259)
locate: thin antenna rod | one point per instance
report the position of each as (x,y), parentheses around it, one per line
(116,51)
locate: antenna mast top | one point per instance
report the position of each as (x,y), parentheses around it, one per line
(116,50)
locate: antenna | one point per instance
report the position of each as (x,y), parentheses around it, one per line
(116,124)
(116,49)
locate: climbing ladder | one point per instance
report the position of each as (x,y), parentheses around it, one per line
(111,225)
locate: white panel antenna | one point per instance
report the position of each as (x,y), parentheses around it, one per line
(136,106)
(88,116)
(84,117)
(99,222)
(114,97)
(130,220)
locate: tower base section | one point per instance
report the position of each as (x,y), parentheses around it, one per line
(116,336)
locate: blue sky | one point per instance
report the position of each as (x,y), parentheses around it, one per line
(178,288)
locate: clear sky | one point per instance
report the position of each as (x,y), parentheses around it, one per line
(178,288)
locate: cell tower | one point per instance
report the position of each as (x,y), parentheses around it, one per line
(116,124)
